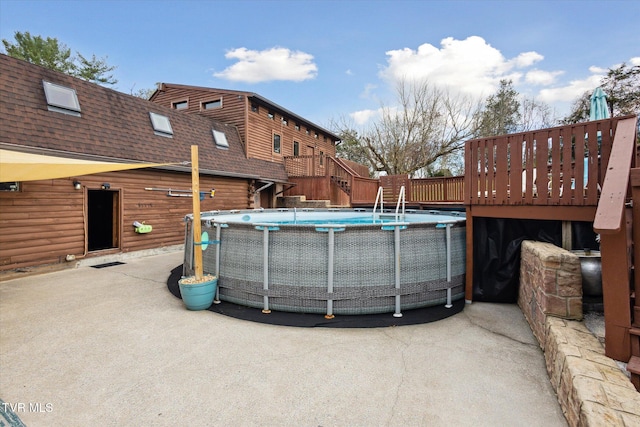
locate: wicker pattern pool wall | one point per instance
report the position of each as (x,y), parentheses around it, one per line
(334,269)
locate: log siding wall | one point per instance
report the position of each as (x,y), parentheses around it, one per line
(256,129)
(45,221)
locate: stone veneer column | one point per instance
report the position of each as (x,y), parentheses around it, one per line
(550,285)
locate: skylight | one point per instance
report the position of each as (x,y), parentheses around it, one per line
(161,124)
(61,99)
(220,138)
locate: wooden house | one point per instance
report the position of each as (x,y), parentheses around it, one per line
(268,131)
(56,220)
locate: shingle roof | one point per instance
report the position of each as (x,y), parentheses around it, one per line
(114,125)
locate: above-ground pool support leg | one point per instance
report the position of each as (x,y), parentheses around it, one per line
(329,314)
(396,233)
(216,300)
(265,260)
(448,232)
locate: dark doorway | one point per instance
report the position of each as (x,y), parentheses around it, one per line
(102,220)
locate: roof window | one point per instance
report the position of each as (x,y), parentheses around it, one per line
(61,99)
(220,138)
(161,125)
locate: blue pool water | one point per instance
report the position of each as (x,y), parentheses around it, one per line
(292,217)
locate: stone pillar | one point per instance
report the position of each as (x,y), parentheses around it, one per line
(550,285)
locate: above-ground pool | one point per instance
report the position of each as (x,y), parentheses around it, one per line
(333,261)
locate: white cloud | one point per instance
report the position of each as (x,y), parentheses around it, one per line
(526,59)
(570,92)
(471,66)
(542,78)
(277,63)
(363,116)
(349,72)
(367,93)
(635,61)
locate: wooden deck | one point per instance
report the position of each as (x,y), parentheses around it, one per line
(581,172)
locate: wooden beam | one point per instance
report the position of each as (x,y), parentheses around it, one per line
(468,291)
(615,293)
(563,213)
(197,227)
(609,214)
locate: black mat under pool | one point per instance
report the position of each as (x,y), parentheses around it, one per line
(409,317)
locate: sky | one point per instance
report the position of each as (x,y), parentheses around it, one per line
(341,60)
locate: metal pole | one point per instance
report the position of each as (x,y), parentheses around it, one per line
(448,233)
(329,314)
(265,268)
(396,232)
(217,271)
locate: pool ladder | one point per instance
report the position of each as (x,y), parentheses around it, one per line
(399,214)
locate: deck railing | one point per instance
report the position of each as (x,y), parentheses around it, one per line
(362,190)
(558,166)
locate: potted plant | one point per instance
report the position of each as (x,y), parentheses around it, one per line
(197,291)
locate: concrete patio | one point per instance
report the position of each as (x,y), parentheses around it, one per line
(113,347)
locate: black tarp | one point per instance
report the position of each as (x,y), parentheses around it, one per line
(496,252)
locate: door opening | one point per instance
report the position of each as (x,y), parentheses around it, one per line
(102,219)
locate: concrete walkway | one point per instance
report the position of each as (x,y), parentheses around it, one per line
(112,347)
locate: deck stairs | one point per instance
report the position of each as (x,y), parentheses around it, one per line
(342,174)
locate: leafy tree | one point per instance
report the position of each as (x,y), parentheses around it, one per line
(502,112)
(50,53)
(622,86)
(95,70)
(579,110)
(350,147)
(144,93)
(427,124)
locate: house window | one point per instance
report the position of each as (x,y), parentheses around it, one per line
(296,148)
(9,186)
(220,138)
(297,127)
(308,131)
(321,158)
(161,125)
(271,115)
(61,99)
(180,105)
(212,105)
(255,108)
(315,135)
(276,143)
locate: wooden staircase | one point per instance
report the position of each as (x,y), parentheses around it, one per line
(342,174)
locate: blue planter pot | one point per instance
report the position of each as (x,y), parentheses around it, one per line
(198,296)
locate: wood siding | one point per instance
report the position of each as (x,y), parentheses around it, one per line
(256,128)
(45,221)
(233,110)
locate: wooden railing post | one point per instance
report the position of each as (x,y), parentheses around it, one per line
(611,223)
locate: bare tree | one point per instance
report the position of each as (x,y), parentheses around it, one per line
(535,115)
(426,124)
